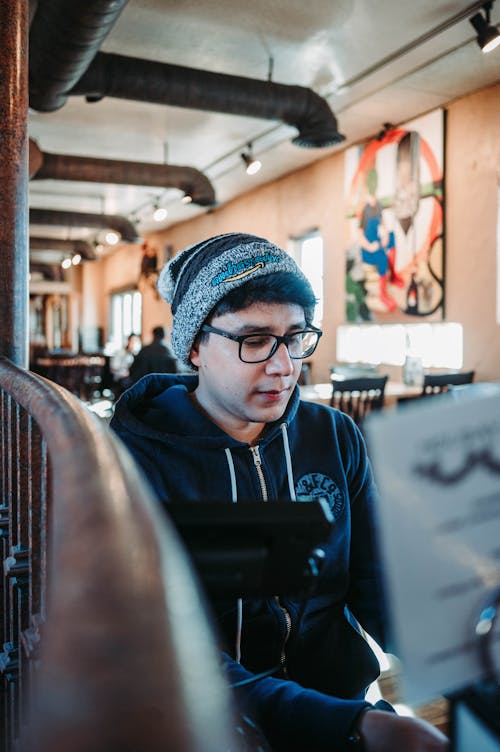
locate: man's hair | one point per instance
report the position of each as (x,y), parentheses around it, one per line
(158,332)
(281,287)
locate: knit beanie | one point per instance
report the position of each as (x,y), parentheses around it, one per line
(195,280)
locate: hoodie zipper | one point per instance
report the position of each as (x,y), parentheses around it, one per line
(260,474)
(282,610)
(288,630)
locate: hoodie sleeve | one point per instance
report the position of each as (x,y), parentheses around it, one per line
(291,717)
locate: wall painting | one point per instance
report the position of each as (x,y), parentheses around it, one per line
(395,201)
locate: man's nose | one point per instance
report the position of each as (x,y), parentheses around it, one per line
(280,361)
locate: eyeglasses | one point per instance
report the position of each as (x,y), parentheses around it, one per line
(256,348)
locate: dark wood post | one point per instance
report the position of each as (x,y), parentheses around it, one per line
(14,250)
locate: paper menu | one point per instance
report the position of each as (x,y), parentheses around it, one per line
(437,466)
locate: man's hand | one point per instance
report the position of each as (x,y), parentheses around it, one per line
(386,732)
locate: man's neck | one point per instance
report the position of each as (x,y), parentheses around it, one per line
(248,432)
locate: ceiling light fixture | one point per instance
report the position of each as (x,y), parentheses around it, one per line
(187,198)
(66,263)
(488,36)
(112,237)
(252,165)
(76,259)
(160,213)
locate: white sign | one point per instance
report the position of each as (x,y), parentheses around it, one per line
(437,466)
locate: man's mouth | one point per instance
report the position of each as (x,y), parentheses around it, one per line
(273,392)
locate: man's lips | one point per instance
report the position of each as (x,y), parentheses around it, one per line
(274,392)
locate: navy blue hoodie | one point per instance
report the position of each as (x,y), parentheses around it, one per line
(313,450)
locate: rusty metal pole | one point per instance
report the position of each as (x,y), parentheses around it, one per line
(14,249)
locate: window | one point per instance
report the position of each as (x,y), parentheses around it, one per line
(439,345)
(126,317)
(307,251)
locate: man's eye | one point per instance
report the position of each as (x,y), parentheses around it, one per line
(296,339)
(257,340)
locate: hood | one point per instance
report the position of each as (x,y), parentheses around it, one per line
(158,406)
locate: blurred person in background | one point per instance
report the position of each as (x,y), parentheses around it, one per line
(122,360)
(157,357)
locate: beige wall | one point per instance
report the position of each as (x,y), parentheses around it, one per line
(472,185)
(313,198)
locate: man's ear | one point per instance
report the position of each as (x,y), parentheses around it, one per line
(194,353)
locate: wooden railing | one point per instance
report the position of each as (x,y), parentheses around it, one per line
(104,640)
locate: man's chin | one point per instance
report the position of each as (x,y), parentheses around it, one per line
(269,414)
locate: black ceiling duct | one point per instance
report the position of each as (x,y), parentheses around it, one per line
(51,272)
(83,219)
(161,83)
(64,37)
(64,40)
(66,167)
(85,249)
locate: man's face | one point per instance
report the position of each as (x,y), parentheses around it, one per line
(241,397)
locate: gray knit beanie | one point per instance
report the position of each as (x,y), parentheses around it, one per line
(195,280)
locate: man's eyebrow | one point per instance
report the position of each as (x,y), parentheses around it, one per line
(255,329)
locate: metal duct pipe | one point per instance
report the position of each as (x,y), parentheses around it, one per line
(53,272)
(161,83)
(85,249)
(64,37)
(82,219)
(90,169)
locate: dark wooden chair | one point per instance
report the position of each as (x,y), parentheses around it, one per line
(437,383)
(358,396)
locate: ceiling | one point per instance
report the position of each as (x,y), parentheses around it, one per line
(373,63)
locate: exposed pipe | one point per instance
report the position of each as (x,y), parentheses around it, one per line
(52,272)
(161,83)
(64,37)
(65,167)
(83,219)
(85,249)
(64,40)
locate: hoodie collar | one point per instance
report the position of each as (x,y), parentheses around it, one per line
(159,406)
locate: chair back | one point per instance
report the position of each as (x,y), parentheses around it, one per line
(358,396)
(436,383)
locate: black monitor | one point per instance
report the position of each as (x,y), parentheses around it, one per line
(254,548)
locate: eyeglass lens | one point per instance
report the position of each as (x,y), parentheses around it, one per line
(259,347)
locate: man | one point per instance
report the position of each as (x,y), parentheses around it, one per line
(153,358)
(242,313)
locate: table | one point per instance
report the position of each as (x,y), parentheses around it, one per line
(393,390)
(80,374)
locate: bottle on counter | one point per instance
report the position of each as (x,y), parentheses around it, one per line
(413,368)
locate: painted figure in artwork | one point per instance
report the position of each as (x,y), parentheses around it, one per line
(378,248)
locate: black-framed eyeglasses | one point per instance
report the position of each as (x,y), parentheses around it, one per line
(258,347)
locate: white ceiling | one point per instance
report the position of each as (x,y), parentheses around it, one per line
(370,59)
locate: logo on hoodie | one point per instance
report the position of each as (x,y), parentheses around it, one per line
(243,268)
(320,486)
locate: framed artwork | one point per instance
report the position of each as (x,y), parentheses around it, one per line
(394,212)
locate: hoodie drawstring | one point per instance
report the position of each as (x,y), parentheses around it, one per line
(288,460)
(239,602)
(232,475)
